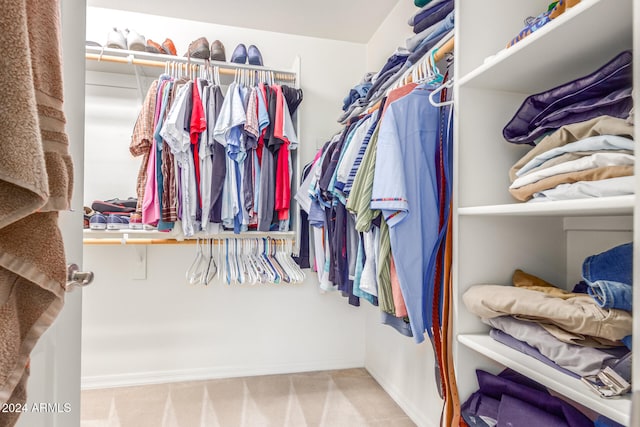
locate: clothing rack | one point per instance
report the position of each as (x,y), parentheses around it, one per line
(141,237)
(120,56)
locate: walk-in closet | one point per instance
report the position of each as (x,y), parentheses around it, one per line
(364,213)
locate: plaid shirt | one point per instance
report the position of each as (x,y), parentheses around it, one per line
(142,138)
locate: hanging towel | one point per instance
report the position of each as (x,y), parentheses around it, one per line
(35,183)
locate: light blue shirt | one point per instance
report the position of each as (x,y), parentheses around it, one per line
(405,190)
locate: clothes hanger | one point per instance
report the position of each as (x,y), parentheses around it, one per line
(447,85)
(193,274)
(212,268)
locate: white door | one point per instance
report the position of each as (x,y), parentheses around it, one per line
(54,385)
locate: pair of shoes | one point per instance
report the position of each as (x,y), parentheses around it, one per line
(241,53)
(129,40)
(166,48)
(200,49)
(111,222)
(117,222)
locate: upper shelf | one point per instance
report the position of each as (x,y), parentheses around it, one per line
(617,409)
(109,60)
(577,42)
(619,205)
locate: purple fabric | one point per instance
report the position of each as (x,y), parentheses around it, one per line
(525,348)
(517,413)
(478,405)
(515,385)
(613,76)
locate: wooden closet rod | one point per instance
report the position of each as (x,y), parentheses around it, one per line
(161,64)
(444,49)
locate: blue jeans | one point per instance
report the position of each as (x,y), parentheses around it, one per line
(609,276)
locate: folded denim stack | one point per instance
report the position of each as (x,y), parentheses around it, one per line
(584,138)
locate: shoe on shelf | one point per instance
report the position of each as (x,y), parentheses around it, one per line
(92,43)
(255,57)
(135,221)
(98,222)
(135,41)
(110,207)
(116,40)
(169,47)
(199,49)
(117,222)
(153,47)
(217,51)
(239,55)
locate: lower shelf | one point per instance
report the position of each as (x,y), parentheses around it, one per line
(618,409)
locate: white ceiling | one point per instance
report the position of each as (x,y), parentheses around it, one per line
(348,20)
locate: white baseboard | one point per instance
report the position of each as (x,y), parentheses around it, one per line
(199,374)
(416,414)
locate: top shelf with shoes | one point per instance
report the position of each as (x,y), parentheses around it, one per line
(120,61)
(584,37)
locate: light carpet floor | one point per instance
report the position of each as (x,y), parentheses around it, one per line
(349,398)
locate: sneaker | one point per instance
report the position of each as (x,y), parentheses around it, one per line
(199,49)
(92,43)
(98,222)
(217,51)
(135,41)
(255,58)
(169,47)
(153,47)
(239,55)
(117,222)
(135,221)
(116,40)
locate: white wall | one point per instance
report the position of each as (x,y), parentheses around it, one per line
(406,372)
(159,329)
(392,34)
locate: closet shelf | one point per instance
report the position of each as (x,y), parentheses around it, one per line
(618,409)
(99,237)
(619,205)
(560,51)
(111,60)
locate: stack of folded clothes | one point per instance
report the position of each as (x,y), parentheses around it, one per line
(583,137)
(579,333)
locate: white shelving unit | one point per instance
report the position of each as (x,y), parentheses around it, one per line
(494,235)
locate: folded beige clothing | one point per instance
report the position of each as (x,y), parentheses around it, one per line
(580,315)
(526,192)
